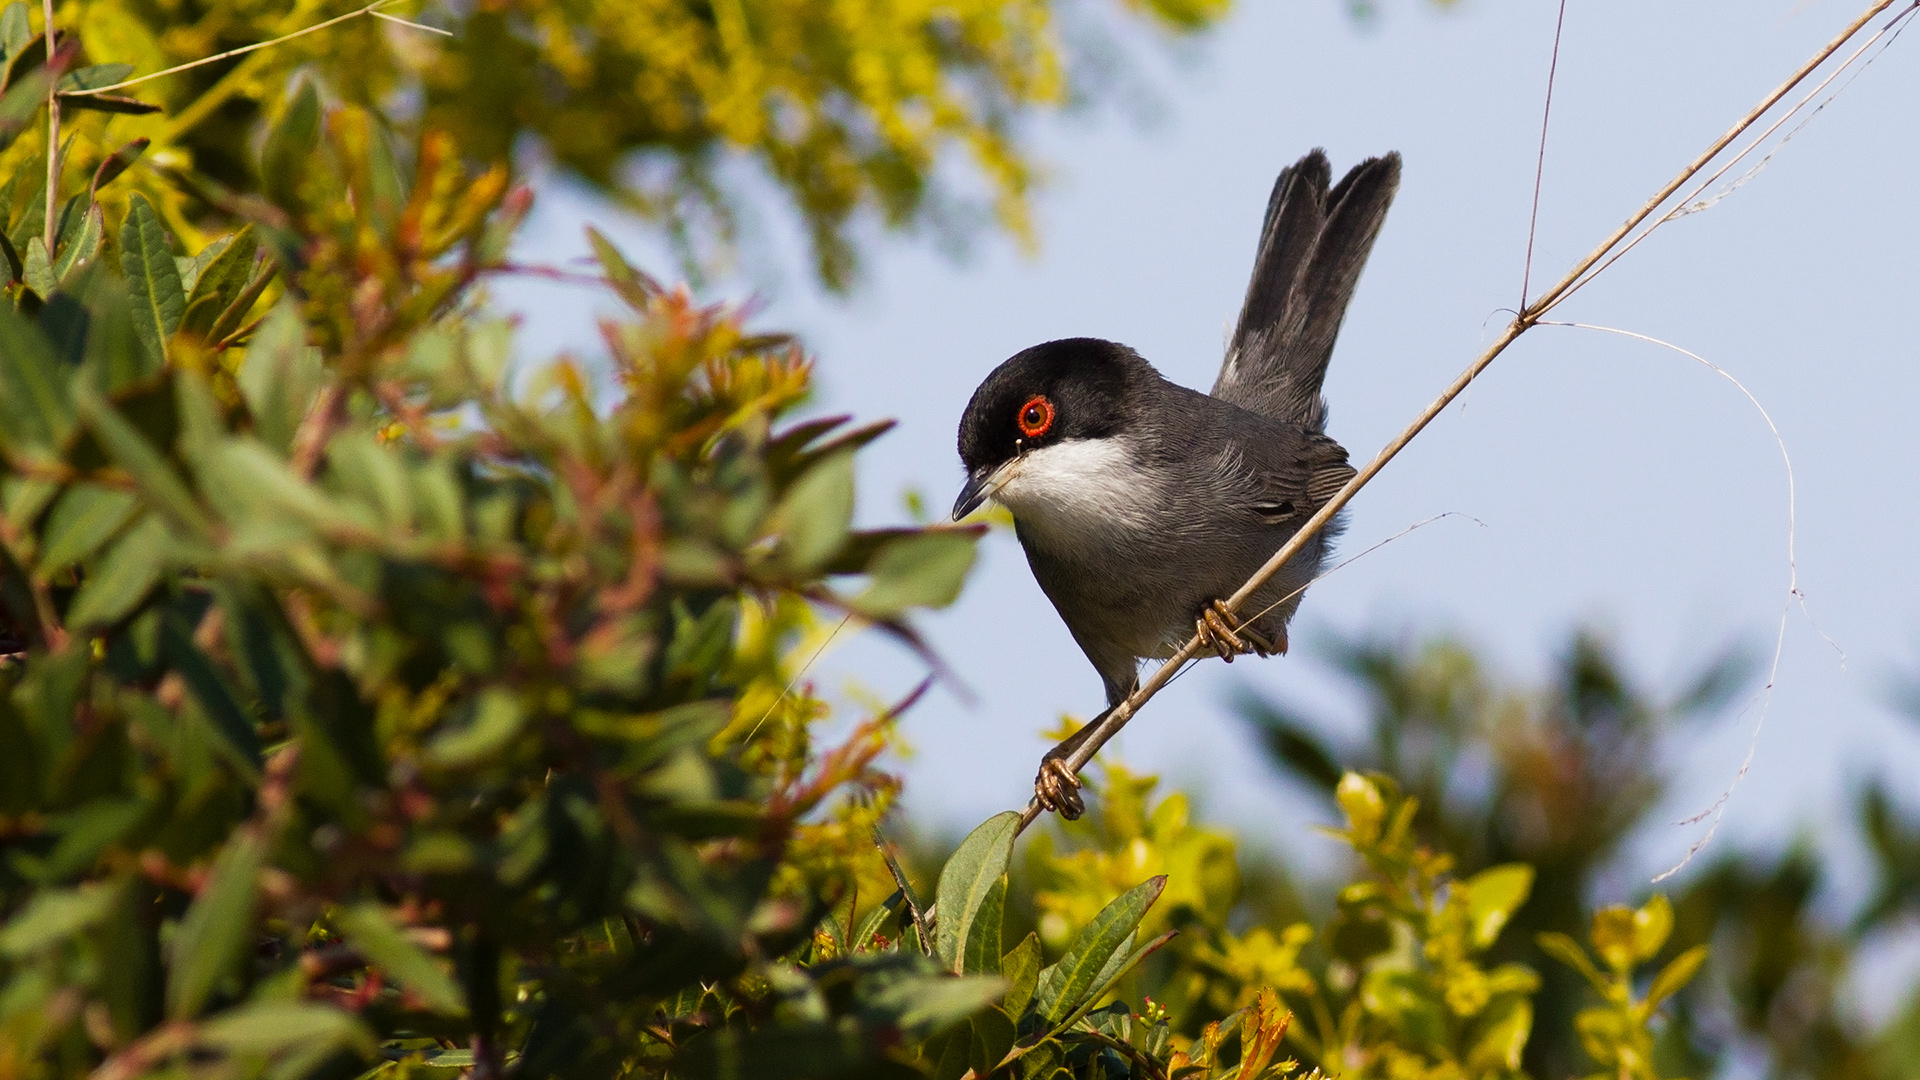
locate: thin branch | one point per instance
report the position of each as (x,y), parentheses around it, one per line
(1719,807)
(1540,165)
(408,22)
(1687,205)
(230,53)
(1117,717)
(50,228)
(1568,283)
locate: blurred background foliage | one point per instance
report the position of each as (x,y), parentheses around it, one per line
(896,112)
(371,704)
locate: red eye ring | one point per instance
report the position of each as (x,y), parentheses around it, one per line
(1036,416)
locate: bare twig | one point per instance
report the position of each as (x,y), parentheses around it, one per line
(1540,163)
(1117,717)
(1794,595)
(50,228)
(1571,281)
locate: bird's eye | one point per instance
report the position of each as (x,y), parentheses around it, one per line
(1036,416)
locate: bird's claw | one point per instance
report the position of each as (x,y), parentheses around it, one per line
(1217,632)
(1058,789)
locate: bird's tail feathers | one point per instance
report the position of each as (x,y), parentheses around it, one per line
(1313,246)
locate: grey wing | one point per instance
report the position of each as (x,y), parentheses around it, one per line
(1297,482)
(1313,245)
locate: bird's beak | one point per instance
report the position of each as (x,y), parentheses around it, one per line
(981,485)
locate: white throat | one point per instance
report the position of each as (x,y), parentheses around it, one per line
(1075,491)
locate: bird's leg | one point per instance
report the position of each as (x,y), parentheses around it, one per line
(1217,632)
(1057,788)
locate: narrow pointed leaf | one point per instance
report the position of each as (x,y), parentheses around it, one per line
(85,516)
(80,251)
(159,485)
(38,269)
(36,396)
(980,952)
(1124,959)
(1064,985)
(1678,972)
(215,934)
(123,577)
(117,162)
(230,321)
(289,147)
(1021,969)
(153,280)
(971,874)
(370,931)
(219,281)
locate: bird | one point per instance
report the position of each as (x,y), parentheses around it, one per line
(1141,503)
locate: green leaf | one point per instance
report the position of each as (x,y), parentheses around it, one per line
(37,270)
(157,482)
(216,933)
(870,925)
(281,376)
(153,280)
(230,321)
(232,726)
(1493,895)
(993,1035)
(251,477)
(980,952)
(976,870)
(123,577)
(218,281)
(1504,1038)
(1124,959)
(1065,984)
(84,518)
(79,252)
(271,1027)
(95,76)
(54,915)
(116,163)
(190,266)
(15,30)
(1678,972)
(636,288)
(926,570)
(1021,969)
(497,718)
(368,929)
(815,514)
(361,467)
(1652,922)
(36,394)
(287,154)
(1568,951)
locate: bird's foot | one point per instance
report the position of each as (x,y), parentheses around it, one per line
(1217,631)
(1057,788)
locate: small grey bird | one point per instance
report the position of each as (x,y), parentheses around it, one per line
(1141,504)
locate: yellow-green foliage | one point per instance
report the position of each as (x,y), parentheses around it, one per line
(851,106)
(1615,1032)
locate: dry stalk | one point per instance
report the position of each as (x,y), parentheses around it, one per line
(242,50)
(50,228)
(1114,719)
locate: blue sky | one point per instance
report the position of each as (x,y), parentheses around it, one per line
(1614,483)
